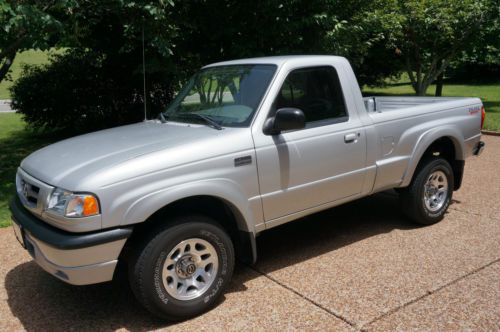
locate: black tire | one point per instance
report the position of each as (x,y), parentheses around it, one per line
(149,255)
(413,197)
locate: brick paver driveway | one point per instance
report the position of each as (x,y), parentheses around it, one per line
(359,266)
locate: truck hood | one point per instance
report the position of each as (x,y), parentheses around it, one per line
(80,157)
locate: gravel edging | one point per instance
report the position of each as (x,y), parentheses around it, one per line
(490,132)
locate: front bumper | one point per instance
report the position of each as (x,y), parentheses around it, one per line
(78,259)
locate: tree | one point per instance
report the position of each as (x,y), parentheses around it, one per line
(98,81)
(481,61)
(27,24)
(380,39)
(429,34)
(214,30)
(113,30)
(361,35)
(180,38)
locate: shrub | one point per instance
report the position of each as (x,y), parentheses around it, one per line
(474,72)
(80,91)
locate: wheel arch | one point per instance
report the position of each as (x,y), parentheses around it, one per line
(218,208)
(444,142)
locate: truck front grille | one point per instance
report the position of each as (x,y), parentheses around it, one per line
(31,193)
(28,192)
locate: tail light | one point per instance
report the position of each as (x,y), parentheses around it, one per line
(483,116)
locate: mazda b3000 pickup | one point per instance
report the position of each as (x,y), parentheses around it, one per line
(245,146)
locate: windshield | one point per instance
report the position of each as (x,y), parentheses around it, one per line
(226,95)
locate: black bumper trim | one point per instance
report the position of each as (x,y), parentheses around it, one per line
(61,239)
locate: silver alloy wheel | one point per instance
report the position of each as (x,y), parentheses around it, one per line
(435,191)
(190,269)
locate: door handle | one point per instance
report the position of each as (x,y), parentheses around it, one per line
(349,138)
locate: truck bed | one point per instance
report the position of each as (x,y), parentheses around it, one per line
(382,104)
(402,124)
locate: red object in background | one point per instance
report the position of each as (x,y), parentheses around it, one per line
(483,116)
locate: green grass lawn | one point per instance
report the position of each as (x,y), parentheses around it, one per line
(16,142)
(488,92)
(31,57)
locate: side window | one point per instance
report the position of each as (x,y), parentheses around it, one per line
(317,92)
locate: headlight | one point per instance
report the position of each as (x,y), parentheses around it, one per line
(73,205)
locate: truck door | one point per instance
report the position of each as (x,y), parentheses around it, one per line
(319,164)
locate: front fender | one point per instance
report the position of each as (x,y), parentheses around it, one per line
(248,210)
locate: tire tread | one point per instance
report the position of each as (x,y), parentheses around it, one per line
(410,196)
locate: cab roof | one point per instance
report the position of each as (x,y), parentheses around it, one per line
(278,60)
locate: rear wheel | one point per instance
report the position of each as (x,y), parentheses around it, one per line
(427,198)
(183,269)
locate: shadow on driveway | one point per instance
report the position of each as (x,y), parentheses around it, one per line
(40,301)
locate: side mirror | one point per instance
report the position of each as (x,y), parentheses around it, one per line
(285,119)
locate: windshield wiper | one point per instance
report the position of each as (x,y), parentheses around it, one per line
(205,118)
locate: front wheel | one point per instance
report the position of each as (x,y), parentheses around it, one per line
(427,198)
(183,269)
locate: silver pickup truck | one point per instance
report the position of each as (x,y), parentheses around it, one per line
(246,145)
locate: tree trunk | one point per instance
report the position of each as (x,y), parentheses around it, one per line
(4,69)
(417,82)
(439,85)
(420,89)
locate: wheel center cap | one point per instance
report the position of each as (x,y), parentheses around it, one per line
(185,267)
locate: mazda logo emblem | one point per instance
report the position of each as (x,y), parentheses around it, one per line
(25,189)
(191,269)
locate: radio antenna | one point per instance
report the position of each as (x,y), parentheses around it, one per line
(144,74)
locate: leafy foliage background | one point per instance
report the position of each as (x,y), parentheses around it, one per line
(97,81)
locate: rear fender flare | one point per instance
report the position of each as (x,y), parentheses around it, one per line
(425,140)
